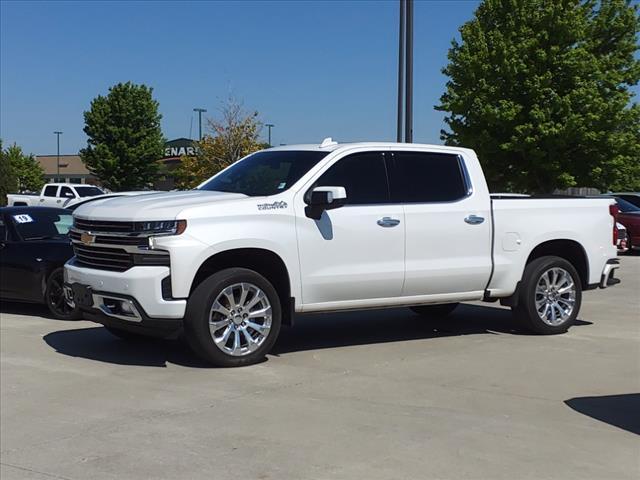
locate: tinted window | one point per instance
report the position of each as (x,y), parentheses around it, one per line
(3,230)
(66,192)
(264,173)
(363,175)
(428,177)
(50,191)
(36,224)
(626,207)
(89,191)
(633,199)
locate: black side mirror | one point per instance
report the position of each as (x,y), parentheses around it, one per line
(325,198)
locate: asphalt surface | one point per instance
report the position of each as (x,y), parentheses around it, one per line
(368,395)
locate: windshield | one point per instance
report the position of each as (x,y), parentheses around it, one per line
(626,207)
(42,224)
(89,191)
(265,173)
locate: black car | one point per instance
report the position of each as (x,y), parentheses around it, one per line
(34,246)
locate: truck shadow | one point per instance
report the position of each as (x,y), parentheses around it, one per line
(622,411)
(30,309)
(311,332)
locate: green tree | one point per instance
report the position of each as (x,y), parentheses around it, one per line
(233,136)
(125,140)
(8,180)
(25,169)
(540,89)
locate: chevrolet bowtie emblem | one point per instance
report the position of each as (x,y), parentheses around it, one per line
(87,238)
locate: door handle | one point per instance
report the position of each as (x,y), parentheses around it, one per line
(42,199)
(388,222)
(474,220)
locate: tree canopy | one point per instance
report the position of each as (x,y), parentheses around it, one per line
(541,90)
(8,180)
(24,170)
(125,140)
(233,136)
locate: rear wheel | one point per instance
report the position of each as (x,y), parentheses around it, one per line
(435,311)
(549,296)
(55,298)
(233,318)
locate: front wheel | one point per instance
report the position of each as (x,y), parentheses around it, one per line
(55,298)
(549,296)
(233,318)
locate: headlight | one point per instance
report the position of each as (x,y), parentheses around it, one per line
(162,227)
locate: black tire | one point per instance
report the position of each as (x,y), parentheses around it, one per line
(127,335)
(54,298)
(199,305)
(435,311)
(525,309)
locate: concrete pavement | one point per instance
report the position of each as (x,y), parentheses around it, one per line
(365,395)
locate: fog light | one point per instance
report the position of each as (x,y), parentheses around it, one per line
(126,309)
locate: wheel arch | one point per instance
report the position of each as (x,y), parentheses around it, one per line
(265,262)
(570,250)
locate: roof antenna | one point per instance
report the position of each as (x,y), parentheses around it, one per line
(328,142)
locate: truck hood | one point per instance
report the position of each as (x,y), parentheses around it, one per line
(149,207)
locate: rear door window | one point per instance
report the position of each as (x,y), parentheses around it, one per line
(425,177)
(363,175)
(66,192)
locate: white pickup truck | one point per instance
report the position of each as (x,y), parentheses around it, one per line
(55,195)
(314,228)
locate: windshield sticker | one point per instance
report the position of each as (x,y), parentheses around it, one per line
(24,218)
(282,185)
(272,206)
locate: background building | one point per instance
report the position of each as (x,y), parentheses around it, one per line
(72,169)
(173,151)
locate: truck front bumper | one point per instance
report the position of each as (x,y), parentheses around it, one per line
(132,299)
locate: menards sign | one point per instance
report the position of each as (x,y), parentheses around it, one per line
(179,147)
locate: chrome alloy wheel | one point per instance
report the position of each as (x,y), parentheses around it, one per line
(555,296)
(240,319)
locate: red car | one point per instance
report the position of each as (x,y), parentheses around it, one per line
(629,216)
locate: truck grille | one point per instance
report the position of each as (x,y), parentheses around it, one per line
(114,246)
(114,259)
(105,238)
(104,226)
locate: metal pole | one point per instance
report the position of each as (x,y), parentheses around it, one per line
(199,110)
(408,121)
(58,155)
(401,40)
(269,126)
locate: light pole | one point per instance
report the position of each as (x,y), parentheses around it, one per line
(405,71)
(58,156)
(401,38)
(199,110)
(269,126)
(408,104)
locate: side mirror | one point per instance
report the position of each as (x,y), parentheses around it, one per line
(325,198)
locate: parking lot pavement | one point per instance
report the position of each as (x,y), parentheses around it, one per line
(367,395)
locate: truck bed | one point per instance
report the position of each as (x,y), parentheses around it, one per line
(521,223)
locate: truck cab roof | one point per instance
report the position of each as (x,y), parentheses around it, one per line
(328,145)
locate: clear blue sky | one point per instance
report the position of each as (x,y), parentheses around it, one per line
(314,69)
